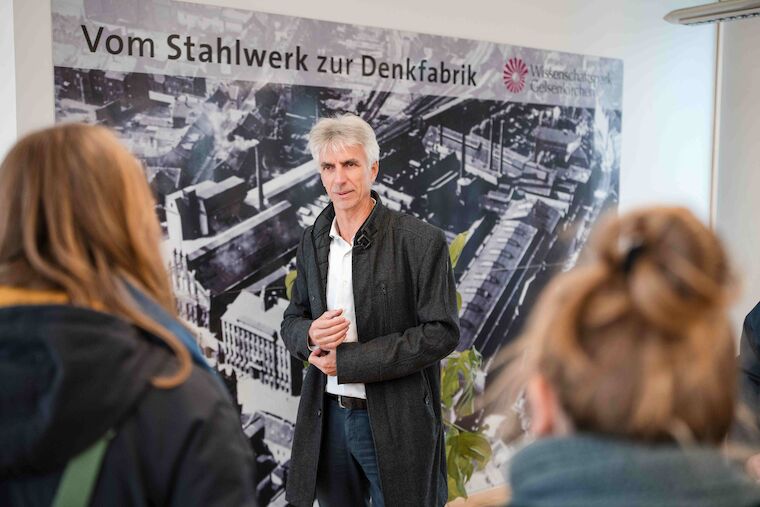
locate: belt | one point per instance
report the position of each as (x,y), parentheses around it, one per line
(348,401)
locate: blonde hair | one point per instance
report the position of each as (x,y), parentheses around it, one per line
(636,342)
(77,215)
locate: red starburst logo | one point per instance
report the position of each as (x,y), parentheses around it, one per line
(514,75)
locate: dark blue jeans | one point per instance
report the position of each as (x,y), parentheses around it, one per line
(347,475)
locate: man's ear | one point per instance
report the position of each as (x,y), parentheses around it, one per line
(373,170)
(545,413)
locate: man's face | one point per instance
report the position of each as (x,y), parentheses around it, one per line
(347,177)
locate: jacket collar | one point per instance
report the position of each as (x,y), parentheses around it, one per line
(369,228)
(618,472)
(320,240)
(14,296)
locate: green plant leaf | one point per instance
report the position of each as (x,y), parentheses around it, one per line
(456,487)
(478,449)
(459,302)
(458,379)
(466,452)
(466,403)
(449,386)
(290,279)
(456,247)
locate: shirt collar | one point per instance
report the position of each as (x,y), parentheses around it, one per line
(334,229)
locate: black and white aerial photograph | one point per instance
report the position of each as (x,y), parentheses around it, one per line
(516,186)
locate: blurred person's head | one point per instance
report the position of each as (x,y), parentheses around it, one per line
(634,343)
(77,216)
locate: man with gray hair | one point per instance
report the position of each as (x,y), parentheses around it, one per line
(373,310)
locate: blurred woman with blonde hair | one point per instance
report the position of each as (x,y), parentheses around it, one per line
(104,397)
(628,368)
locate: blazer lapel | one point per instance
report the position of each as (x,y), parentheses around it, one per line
(320,240)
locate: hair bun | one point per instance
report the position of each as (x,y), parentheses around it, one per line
(673,266)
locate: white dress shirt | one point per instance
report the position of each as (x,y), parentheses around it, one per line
(340,294)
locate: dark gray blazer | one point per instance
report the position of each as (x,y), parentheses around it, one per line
(407,321)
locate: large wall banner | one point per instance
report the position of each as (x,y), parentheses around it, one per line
(514,152)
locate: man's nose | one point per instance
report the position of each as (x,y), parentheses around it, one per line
(340,175)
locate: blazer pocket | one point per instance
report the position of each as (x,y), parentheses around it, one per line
(427,397)
(382,306)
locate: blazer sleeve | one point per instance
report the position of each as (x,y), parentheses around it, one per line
(297,317)
(436,336)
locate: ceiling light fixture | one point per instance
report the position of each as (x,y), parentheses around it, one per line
(717,12)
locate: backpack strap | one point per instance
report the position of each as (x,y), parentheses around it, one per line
(171,324)
(80,475)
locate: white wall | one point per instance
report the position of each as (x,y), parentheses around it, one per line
(34,64)
(738,202)
(8,81)
(668,85)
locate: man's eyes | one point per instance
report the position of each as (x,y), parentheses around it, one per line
(347,164)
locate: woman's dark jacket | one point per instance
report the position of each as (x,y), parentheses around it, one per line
(588,471)
(69,374)
(748,432)
(407,321)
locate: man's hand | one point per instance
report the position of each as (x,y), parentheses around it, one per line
(325,361)
(329,330)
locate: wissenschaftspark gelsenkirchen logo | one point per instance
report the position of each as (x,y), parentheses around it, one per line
(515,72)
